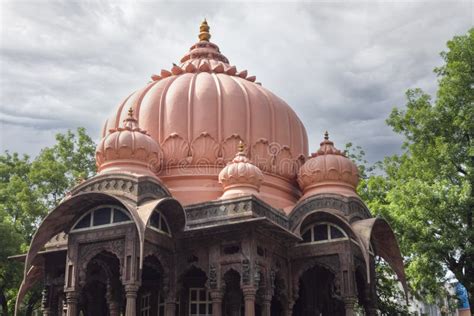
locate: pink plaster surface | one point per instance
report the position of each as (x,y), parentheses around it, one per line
(200,110)
(128,149)
(240,177)
(328,171)
(195,115)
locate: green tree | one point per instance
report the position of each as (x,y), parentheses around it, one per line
(426,192)
(372,189)
(28,190)
(432,198)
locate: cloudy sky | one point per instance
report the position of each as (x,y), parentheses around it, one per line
(341,65)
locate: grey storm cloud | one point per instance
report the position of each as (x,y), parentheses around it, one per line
(342,66)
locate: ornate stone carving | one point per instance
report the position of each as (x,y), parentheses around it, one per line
(104,185)
(228,208)
(257,277)
(347,206)
(212,278)
(272,281)
(284,163)
(330,263)
(88,251)
(204,149)
(229,147)
(176,151)
(245,272)
(261,155)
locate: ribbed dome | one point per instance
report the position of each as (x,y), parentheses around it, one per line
(199,111)
(328,171)
(240,176)
(128,148)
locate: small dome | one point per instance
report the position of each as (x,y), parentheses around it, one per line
(328,171)
(128,149)
(240,176)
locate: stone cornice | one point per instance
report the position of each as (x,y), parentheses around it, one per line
(219,211)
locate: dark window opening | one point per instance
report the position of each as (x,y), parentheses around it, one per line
(101,217)
(120,216)
(320,232)
(84,222)
(230,250)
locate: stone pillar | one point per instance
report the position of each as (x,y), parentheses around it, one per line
(45,301)
(249,299)
(266,305)
(114,308)
(288,308)
(71,302)
(170,308)
(349,304)
(131,296)
(216,297)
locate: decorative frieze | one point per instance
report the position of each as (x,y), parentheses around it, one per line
(124,184)
(350,207)
(219,210)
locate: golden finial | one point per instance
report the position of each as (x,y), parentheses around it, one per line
(326,135)
(130,112)
(241,147)
(204,34)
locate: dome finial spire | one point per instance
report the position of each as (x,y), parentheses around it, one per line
(241,147)
(204,34)
(326,135)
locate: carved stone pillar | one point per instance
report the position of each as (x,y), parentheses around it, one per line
(114,308)
(249,299)
(266,305)
(170,308)
(288,308)
(217,297)
(131,296)
(45,302)
(349,304)
(71,302)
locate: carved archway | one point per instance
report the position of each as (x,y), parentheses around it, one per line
(233,303)
(89,251)
(310,264)
(316,293)
(101,291)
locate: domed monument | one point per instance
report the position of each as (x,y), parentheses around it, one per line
(206,202)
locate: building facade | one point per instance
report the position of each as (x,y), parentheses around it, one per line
(206,202)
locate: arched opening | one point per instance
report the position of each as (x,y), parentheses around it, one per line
(279,297)
(276,309)
(233,304)
(151,299)
(316,294)
(102,292)
(362,288)
(194,298)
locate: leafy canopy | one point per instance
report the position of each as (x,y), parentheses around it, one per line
(28,190)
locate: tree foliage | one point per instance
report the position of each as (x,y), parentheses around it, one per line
(28,190)
(426,192)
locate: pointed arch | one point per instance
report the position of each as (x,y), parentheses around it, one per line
(321,215)
(172,210)
(61,219)
(378,231)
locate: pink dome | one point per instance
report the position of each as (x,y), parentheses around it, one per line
(199,111)
(240,176)
(328,171)
(128,149)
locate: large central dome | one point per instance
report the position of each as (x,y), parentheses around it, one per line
(200,110)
